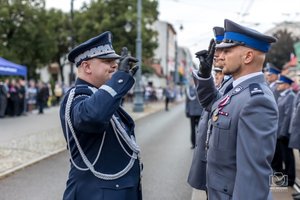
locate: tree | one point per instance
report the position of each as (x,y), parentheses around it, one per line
(23,33)
(113,15)
(35,37)
(58,24)
(282,49)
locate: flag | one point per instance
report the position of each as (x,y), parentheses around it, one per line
(293,61)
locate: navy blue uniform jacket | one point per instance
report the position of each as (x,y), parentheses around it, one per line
(90,115)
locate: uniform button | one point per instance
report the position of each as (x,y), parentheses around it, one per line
(120,81)
(117,186)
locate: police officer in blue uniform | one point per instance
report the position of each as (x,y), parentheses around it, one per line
(294,142)
(100,135)
(197,173)
(243,125)
(295,124)
(193,110)
(285,107)
(272,76)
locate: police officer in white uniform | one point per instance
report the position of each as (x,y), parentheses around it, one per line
(243,125)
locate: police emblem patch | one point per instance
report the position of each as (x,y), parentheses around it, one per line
(255,89)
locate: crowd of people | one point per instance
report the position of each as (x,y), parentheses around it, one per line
(249,126)
(19,97)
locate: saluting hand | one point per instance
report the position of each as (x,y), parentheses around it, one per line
(128,63)
(206,59)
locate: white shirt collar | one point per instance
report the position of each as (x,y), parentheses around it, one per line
(272,84)
(284,92)
(243,78)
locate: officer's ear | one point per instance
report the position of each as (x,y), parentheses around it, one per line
(248,56)
(86,66)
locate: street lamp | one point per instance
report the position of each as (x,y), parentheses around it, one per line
(138,92)
(71,76)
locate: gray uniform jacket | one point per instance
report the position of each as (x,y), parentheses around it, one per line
(276,93)
(197,173)
(285,108)
(295,124)
(242,140)
(192,105)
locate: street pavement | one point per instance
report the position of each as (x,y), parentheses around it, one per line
(26,140)
(166,154)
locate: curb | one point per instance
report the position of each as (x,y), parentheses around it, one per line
(138,116)
(24,165)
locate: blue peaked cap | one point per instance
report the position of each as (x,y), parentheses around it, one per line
(273,70)
(96,47)
(236,35)
(284,79)
(219,34)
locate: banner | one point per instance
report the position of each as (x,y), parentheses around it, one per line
(297,51)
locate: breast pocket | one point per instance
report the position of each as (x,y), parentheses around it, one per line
(221,133)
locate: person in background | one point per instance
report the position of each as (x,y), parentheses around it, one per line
(197,173)
(100,134)
(3,99)
(13,100)
(284,161)
(272,76)
(193,110)
(22,95)
(294,141)
(42,96)
(169,96)
(58,92)
(31,96)
(218,76)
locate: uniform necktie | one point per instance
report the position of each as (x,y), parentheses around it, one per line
(228,88)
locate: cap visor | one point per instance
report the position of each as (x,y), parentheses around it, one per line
(225,45)
(109,56)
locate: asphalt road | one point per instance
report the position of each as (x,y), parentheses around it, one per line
(166,154)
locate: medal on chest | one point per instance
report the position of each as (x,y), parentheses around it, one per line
(218,111)
(215,116)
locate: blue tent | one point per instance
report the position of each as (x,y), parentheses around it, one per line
(10,68)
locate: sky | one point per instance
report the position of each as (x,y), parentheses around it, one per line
(198,17)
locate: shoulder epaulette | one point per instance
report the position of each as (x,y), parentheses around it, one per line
(255,89)
(83,90)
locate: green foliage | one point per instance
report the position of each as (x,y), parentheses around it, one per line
(282,49)
(113,15)
(24,35)
(33,36)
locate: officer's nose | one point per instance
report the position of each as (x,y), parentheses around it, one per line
(114,64)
